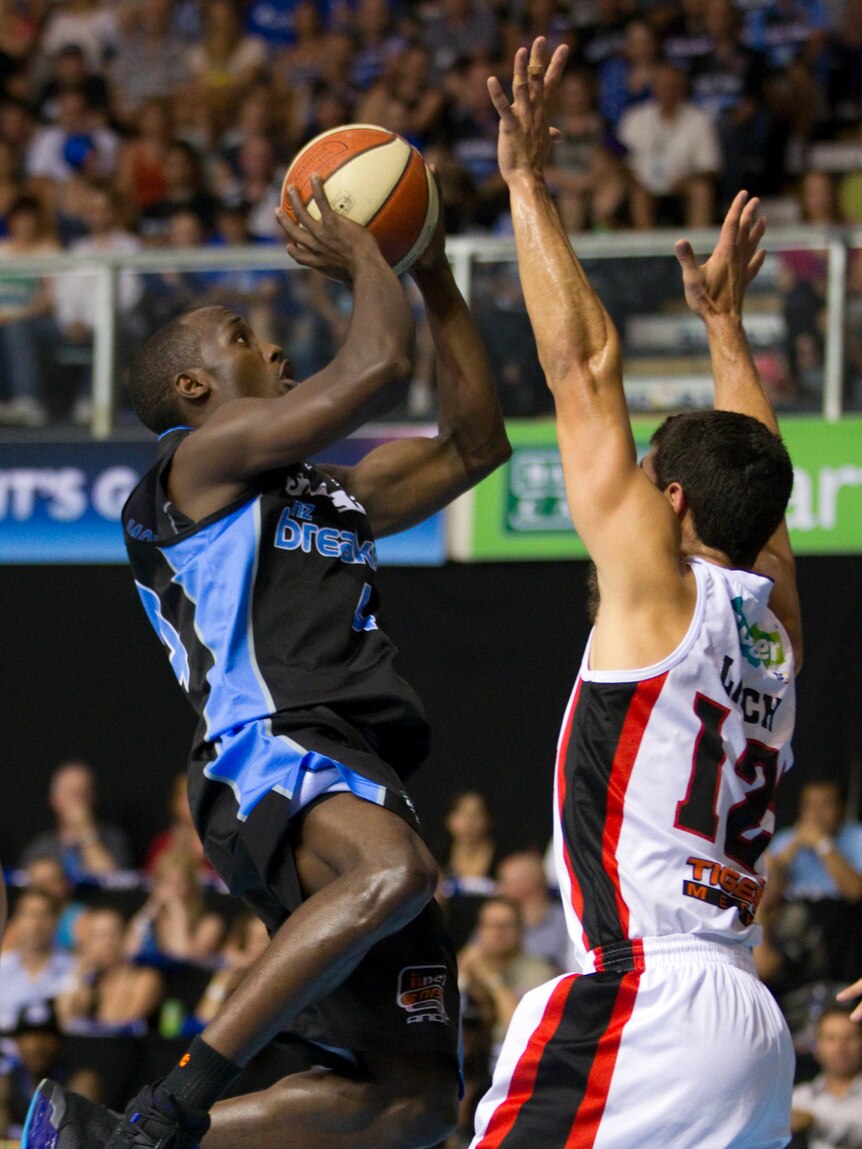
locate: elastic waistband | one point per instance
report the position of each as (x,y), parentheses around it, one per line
(667,950)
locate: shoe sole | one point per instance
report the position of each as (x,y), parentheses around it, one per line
(47,1110)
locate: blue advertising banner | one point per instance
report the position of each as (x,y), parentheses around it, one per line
(60,502)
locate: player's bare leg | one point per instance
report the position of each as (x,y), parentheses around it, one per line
(366,874)
(405,1103)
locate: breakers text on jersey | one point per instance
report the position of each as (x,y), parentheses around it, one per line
(297,530)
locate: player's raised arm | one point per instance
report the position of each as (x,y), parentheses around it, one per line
(611,500)
(242,438)
(715,291)
(403,482)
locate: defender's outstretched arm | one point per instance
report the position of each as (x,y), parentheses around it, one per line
(610,499)
(576,339)
(715,291)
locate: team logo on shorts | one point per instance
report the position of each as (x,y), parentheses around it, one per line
(420,993)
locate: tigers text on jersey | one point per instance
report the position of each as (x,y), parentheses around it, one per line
(267,608)
(666,778)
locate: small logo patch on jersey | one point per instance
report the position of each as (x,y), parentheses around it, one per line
(420,993)
(759,647)
(724,887)
(299,485)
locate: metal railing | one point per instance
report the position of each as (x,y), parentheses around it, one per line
(467,254)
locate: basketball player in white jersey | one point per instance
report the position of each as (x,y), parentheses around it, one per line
(678,729)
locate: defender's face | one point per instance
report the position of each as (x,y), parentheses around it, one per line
(244,366)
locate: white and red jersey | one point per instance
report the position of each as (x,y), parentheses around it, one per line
(666,778)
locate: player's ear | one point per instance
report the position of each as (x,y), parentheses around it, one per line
(193,386)
(676,496)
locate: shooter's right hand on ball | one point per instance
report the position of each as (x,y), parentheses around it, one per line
(332,245)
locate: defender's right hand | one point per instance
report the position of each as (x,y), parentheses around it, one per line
(333,245)
(718,286)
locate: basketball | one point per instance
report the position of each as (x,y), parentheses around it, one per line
(375,178)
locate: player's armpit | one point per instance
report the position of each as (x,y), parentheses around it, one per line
(402,482)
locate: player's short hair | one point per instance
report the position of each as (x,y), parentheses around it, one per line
(173,349)
(736,474)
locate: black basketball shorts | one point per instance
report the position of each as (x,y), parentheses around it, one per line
(403,996)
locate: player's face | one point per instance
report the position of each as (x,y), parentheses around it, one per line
(244,366)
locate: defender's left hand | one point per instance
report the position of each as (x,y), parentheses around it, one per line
(718,286)
(525,137)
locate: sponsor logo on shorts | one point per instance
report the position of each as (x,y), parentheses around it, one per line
(724,887)
(420,993)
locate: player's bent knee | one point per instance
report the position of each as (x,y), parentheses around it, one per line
(399,890)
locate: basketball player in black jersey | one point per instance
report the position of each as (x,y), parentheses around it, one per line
(257,571)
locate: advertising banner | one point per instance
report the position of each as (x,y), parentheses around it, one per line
(61,502)
(520,511)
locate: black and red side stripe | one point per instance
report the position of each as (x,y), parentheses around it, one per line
(558,1091)
(606,727)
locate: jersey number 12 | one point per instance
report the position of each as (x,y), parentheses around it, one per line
(745,839)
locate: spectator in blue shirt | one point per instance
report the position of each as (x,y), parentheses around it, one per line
(821,855)
(35,970)
(784,30)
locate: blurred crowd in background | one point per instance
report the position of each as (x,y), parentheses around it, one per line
(127,124)
(111,961)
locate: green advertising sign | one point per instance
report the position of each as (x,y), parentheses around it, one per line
(520,511)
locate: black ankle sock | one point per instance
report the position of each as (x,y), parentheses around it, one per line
(201,1076)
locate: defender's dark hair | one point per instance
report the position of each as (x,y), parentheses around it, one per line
(737,478)
(173,349)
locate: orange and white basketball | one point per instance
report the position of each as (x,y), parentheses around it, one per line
(375,178)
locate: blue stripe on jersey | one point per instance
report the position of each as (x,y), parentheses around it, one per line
(220,584)
(252,761)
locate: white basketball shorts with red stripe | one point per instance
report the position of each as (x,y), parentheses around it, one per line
(679,1046)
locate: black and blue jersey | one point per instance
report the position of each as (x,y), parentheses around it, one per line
(267,611)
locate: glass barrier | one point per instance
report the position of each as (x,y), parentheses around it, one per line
(70,327)
(46,338)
